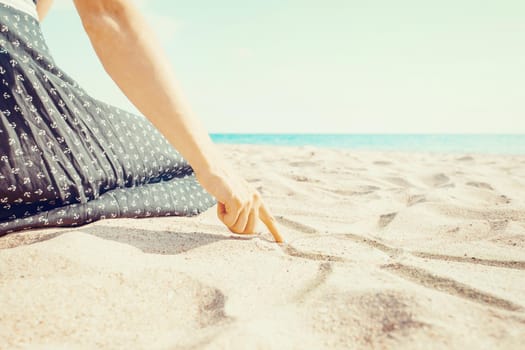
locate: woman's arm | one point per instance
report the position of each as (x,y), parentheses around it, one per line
(132,56)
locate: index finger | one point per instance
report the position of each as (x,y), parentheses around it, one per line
(269,221)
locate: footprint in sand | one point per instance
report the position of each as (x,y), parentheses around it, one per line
(414,199)
(386,219)
(439,180)
(399,181)
(480,185)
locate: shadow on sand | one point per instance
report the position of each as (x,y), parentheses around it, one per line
(149,241)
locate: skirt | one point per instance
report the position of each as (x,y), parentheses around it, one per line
(68,159)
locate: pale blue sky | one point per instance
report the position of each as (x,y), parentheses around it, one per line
(329,66)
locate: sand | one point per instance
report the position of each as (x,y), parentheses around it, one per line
(384,250)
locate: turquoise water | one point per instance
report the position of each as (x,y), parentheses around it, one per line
(496,144)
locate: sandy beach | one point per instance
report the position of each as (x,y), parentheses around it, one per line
(384,250)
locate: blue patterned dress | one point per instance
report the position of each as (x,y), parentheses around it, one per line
(68,159)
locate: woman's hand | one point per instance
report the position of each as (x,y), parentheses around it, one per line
(239,204)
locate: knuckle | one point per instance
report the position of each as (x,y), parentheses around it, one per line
(237,201)
(242,203)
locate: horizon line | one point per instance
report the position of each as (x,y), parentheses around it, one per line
(372,133)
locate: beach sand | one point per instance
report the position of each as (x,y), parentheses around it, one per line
(384,250)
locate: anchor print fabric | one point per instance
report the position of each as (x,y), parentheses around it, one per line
(68,159)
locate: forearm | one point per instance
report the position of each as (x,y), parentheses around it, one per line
(132,56)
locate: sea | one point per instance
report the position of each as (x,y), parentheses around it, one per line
(513,144)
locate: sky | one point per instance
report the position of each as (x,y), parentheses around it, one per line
(332,66)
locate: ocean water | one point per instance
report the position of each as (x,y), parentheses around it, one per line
(456,143)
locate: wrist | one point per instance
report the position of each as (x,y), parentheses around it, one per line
(206,163)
